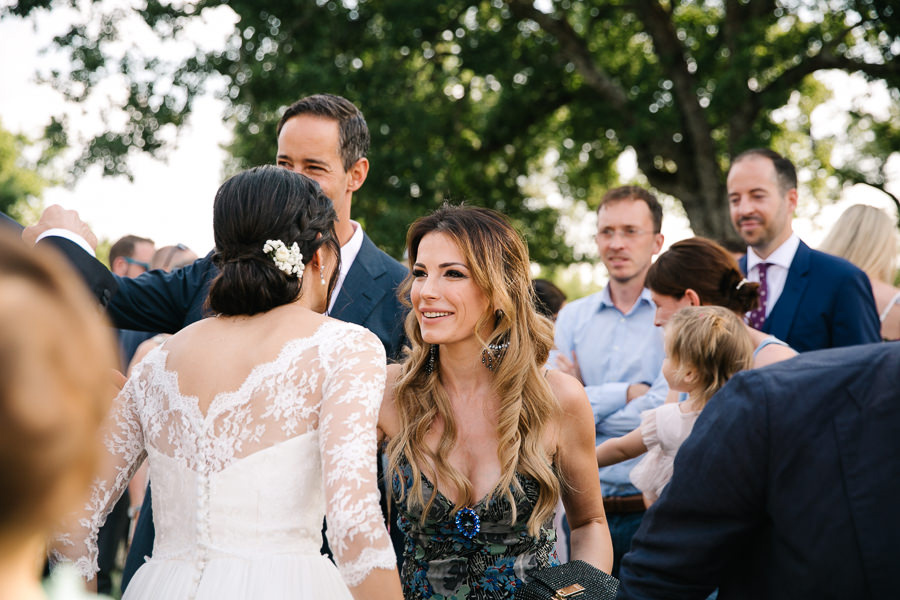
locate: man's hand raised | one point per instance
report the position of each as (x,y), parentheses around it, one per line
(57,217)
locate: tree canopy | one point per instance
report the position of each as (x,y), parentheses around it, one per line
(466,98)
(20,183)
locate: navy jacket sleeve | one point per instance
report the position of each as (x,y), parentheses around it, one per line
(163,302)
(96,276)
(707,516)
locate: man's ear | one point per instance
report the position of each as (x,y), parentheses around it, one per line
(118,266)
(658,240)
(358,173)
(792,196)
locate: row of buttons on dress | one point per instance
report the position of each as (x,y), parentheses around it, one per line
(202,529)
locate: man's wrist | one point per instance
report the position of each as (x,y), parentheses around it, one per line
(69,235)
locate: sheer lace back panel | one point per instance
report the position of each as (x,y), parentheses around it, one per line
(254,475)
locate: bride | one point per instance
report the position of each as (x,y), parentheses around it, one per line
(256,423)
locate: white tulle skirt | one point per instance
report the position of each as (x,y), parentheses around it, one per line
(232,578)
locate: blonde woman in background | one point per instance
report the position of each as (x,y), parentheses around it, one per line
(483,438)
(867,237)
(56,372)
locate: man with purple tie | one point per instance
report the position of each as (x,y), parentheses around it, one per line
(809,299)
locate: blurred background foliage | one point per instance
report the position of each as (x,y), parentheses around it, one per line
(467,99)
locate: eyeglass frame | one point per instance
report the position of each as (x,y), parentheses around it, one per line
(139,263)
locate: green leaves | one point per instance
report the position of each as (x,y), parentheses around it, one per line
(468,99)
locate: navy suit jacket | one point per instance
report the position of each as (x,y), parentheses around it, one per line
(827,302)
(786,488)
(97,277)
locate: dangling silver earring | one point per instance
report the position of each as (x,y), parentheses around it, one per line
(322,273)
(432,359)
(490,356)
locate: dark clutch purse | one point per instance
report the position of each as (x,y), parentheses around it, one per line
(576,580)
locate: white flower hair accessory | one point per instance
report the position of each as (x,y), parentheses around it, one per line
(288,260)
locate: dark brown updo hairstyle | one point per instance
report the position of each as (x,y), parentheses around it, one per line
(56,359)
(260,204)
(707,268)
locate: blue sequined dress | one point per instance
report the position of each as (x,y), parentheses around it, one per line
(442,563)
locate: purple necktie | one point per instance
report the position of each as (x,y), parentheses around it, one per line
(758,315)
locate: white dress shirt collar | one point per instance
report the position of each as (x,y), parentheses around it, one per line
(348,255)
(776,274)
(783,256)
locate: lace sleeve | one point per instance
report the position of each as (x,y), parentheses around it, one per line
(123,453)
(352,393)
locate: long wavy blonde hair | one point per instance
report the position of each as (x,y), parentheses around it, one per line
(498,262)
(865,236)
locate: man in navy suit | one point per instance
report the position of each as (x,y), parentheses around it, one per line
(809,299)
(325,138)
(786,488)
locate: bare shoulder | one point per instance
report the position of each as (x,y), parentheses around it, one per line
(388,418)
(772,354)
(569,393)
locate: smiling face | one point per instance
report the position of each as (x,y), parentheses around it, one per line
(310,145)
(761,211)
(445,298)
(626,240)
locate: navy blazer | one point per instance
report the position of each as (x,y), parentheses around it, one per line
(167,302)
(786,488)
(827,302)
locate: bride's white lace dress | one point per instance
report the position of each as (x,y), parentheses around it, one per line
(239,493)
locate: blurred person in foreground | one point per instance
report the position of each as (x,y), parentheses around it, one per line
(786,488)
(56,364)
(256,422)
(865,236)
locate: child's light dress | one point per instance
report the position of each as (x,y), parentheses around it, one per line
(663,430)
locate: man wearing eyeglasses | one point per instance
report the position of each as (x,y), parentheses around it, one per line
(131,255)
(609,342)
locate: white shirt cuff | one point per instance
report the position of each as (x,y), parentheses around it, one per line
(71,236)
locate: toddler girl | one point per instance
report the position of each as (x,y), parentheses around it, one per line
(705,346)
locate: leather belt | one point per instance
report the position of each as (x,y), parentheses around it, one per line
(624,504)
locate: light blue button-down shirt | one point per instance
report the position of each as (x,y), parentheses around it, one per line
(614,350)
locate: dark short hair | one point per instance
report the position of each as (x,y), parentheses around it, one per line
(549,298)
(634,192)
(353,133)
(785,171)
(257,205)
(124,246)
(707,268)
